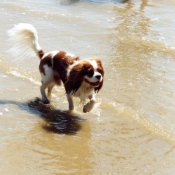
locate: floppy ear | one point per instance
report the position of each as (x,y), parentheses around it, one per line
(75,79)
(99,87)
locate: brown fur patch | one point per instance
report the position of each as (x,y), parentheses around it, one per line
(41,53)
(75,78)
(45,61)
(57,79)
(61,62)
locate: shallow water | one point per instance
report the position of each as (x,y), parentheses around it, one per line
(131,130)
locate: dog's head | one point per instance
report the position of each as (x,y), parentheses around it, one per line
(90,72)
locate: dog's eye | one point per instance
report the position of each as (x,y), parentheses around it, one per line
(90,73)
(100,70)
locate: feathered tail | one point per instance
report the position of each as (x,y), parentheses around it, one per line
(25,37)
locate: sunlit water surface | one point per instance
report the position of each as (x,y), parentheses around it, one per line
(131,130)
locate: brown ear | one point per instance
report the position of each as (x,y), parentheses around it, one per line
(99,87)
(75,79)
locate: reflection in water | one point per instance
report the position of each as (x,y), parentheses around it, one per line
(130,56)
(70,2)
(60,122)
(143,4)
(133,21)
(30,150)
(143,83)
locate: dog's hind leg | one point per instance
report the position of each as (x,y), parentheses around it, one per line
(47,81)
(50,87)
(44,98)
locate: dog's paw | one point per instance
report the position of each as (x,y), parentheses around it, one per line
(88,106)
(85,110)
(46,101)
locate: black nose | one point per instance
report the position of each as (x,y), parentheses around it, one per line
(98,77)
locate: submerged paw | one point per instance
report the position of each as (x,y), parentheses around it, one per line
(87,107)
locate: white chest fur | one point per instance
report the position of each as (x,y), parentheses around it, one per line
(84,91)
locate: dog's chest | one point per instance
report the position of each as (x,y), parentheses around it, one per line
(84,92)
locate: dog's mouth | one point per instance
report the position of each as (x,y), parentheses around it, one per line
(95,84)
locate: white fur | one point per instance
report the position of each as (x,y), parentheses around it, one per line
(53,53)
(70,54)
(84,91)
(46,81)
(47,78)
(93,79)
(93,63)
(24,36)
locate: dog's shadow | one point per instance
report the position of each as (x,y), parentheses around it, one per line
(57,121)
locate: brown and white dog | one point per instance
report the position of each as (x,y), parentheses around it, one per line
(81,78)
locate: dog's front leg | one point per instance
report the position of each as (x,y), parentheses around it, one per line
(90,104)
(70,101)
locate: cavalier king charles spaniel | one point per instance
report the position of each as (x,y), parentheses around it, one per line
(81,78)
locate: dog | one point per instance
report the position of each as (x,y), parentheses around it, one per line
(81,78)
